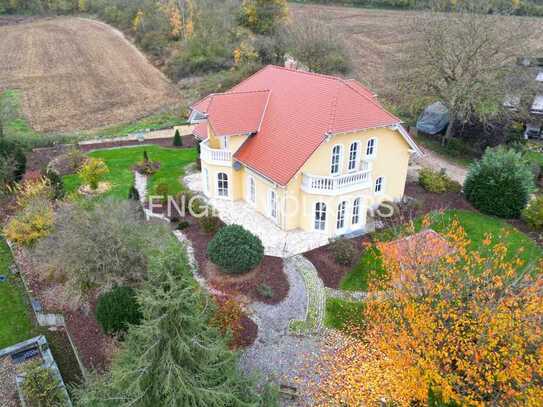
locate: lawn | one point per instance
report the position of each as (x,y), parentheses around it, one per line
(340,313)
(15,322)
(476,226)
(121,160)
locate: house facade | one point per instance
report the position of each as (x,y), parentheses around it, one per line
(308,151)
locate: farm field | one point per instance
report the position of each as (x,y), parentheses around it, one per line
(78,74)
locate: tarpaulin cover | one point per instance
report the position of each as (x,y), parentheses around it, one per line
(434,119)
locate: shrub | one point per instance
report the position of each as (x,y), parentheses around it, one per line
(500,183)
(177,139)
(33,222)
(33,189)
(533,213)
(56,184)
(438,182)
(183,225)
(116,309)
(209,224)
(93,171)
(40,387)
(235,250)
(146,166)
(265,291)
(344,251)
(162,190)
(133,194)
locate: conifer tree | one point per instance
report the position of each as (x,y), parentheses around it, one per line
(175,357)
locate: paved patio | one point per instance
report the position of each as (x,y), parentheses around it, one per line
(276,241)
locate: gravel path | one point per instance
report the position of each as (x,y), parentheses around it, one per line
(276,355)
(436,162)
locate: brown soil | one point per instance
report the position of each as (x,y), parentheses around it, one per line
(270,271)
(78,74)
(247,333)
(429,201)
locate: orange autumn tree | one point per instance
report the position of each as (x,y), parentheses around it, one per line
(468,327)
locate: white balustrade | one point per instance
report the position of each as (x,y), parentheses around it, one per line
(215,156)
(332,185)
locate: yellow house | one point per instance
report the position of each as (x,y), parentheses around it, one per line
(308,151)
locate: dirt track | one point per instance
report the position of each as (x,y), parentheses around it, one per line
(77,74)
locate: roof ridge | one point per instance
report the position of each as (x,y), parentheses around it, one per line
(242,92)
(321,75)
(333,110)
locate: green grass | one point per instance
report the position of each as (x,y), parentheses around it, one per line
(15,322)
(452,152)
(120,162)
(340,314)
(477,225)
(369,266)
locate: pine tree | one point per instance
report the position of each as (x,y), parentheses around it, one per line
(133,193)
(177,139)
(145,156)
(175,357)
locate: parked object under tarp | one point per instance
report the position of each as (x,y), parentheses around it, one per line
(434,119)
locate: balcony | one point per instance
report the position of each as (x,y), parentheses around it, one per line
(215,156)
(328,185)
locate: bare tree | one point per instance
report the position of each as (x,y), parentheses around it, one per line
(465,60)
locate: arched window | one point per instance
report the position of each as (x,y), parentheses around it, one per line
(380,185)
(353,155)
(356,212)
(371,147)
(222,184)
(320,216)
(340,224)
(336,160)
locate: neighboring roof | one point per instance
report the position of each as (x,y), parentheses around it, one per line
(539,77)
(302,109)
(537,106)
(421,249)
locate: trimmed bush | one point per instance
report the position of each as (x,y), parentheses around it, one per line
(177,139)
(500,183)
(533,213)
(235,250)
(209,224)
(133,194)
(344,251)
(117,309)
(56,184)
(437,181)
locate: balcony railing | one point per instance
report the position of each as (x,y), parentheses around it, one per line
(215,156)
(332,185)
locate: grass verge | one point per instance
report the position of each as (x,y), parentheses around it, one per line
(15,321)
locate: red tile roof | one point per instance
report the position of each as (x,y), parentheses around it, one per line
(298,110)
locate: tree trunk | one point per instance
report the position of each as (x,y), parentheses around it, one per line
(449,133)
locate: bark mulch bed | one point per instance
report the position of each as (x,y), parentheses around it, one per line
(429,201)
(271,271)
(94,347)
(329,271)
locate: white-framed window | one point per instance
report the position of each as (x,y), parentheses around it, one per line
(341,208)
(206,180)
(353,155)
(335,164)
(320,216)
(222,184)
(356,212)
(380,185)
(251,189)
(272,204)
(371,147)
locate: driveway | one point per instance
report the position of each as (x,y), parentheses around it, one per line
(436,162)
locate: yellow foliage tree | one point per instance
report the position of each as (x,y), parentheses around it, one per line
(263,16)
(31,223)
(137,22)
(93,171)
(468,328)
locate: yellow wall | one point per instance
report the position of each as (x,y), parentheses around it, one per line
(296,208)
